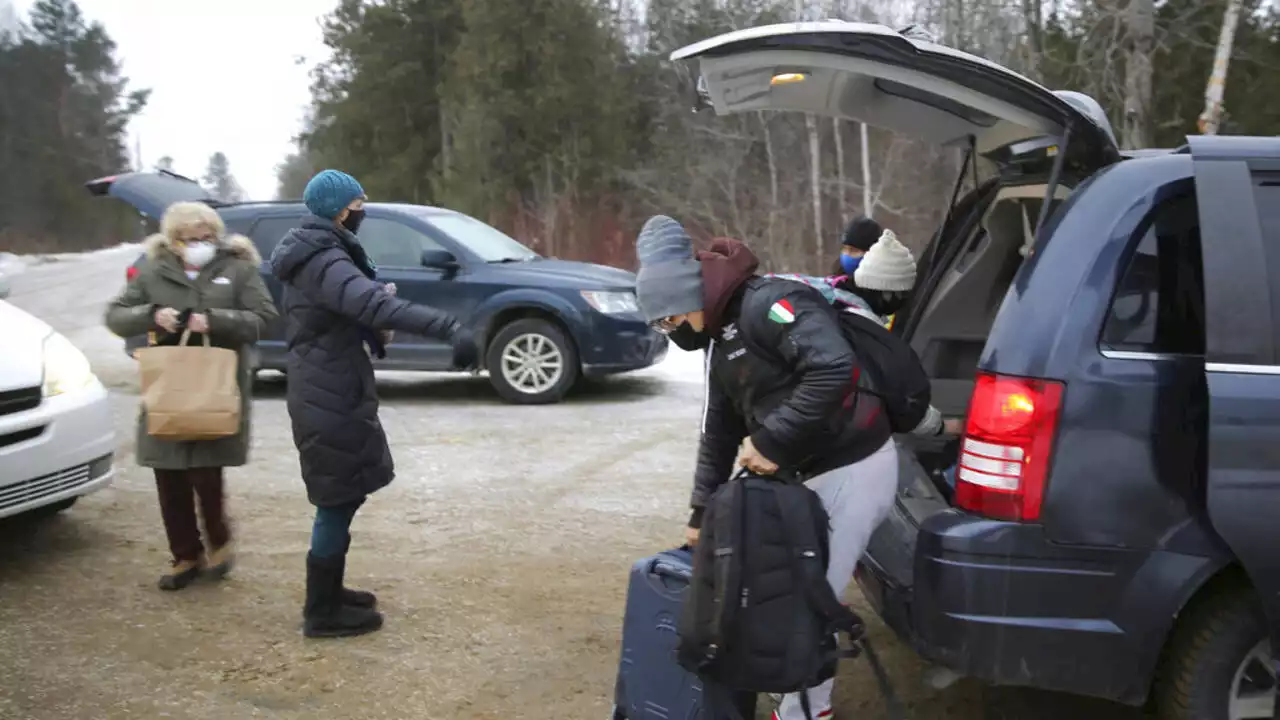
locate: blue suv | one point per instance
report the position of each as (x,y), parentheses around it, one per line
(1106,324)
(544,323)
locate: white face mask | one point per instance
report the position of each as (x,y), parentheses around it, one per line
(199,254)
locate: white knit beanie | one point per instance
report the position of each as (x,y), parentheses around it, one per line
(887,266)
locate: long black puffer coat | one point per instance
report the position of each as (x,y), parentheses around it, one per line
(333,402)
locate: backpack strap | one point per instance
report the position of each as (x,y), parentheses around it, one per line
(809,570)
(893,706)
(727,563)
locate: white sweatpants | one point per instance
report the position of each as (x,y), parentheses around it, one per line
(857,497)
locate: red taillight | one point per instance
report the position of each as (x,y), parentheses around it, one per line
(131,273)
(1004,459)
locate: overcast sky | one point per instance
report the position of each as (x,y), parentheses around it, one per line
(223,76)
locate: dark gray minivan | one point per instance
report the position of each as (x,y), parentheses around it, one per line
(1105,322)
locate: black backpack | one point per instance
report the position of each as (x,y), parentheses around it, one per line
(896,375)
(759,615)
(894,369)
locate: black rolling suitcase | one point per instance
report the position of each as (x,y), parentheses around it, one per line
(650,683)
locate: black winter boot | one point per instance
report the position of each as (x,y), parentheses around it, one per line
(324,615)
(355,598)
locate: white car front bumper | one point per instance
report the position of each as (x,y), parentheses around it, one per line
(59,449)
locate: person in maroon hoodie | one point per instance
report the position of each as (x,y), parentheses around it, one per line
(782,393)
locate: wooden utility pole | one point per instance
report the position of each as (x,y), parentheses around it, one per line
(1212,115)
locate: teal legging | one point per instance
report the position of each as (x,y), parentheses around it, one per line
(332,529)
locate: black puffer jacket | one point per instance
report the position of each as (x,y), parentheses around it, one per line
(780,371)
(332,399)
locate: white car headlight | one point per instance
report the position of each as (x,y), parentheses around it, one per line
(66,369)
(611,303)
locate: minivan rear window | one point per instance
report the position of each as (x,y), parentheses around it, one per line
(1158,306)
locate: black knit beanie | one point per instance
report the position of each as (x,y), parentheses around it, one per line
(862,233)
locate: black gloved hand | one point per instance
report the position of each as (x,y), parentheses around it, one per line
(466,352)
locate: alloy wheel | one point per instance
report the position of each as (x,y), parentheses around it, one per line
(1253,689)
(532,363)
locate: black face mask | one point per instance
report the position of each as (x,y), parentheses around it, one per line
(353,220)
(688,339)
(884,303)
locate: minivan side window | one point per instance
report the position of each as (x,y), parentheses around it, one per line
(269,231)
(1158,306)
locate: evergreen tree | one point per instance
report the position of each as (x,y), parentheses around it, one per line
(219,181)
(64,109)
(293,174)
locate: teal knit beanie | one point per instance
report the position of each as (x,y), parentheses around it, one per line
(329,192)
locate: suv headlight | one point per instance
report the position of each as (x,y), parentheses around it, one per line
(66,369)
(611,303)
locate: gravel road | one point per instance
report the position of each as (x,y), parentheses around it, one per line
(500,556)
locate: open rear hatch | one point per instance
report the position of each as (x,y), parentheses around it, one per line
(872,74)
(151,193)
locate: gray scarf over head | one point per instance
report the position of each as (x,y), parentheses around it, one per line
(670,278)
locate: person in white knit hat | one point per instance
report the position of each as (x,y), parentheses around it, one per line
(884,280)
(877,289)
(885,276)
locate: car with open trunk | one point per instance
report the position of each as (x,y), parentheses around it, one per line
(1105,322)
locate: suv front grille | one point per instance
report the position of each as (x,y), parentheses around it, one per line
(16,401)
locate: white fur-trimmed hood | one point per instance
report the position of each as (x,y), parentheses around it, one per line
(234,244)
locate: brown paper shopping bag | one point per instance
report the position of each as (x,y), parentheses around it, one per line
(190,392)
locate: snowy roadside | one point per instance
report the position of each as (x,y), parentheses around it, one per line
(11,264)
(70,291)
(679,366)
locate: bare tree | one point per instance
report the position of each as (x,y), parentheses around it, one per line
(815,180)
(1212,114)
(1140,45)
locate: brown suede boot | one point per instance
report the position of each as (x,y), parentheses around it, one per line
(181,574)
(221,561)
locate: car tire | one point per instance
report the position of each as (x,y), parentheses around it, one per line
(1212,657)
(554,362)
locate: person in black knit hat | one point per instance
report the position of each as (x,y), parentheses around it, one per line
(862,233)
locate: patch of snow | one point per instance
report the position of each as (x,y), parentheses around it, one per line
(10,264)
(41,258)
(680,366)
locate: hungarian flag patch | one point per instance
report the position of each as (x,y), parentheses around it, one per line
(782,312)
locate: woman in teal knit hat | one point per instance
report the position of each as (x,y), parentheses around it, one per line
(337,317)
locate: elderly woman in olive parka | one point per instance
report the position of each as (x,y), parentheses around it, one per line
(195,271)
